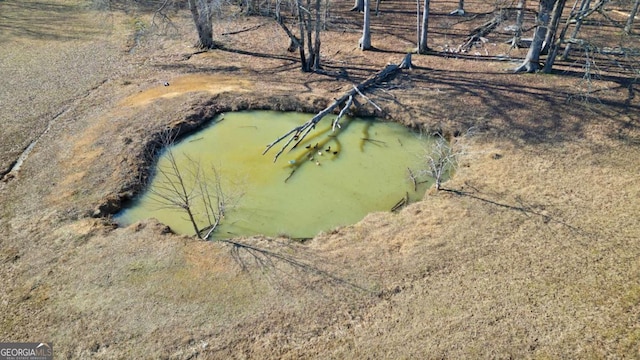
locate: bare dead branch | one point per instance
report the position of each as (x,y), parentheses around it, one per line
(366,98)
(294,41)
(336,122)
(299,133)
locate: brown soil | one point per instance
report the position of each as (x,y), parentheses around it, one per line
(531,253)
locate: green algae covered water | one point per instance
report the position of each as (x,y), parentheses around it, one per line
(329,180)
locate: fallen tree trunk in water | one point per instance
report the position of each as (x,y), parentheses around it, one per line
(298,134)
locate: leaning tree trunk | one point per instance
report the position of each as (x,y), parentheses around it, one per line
(294,42)
(532,61)
(557,40)
(629,27)
(584,6)
(299,133)
(553,25)
(201,14)
(422,44)
(365,40)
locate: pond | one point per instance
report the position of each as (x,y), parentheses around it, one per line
(331,179)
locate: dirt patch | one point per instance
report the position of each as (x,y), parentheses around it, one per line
(210,84)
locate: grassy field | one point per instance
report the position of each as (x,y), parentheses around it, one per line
(531,251)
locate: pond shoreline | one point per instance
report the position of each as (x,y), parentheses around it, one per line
(340,176)
(202,112)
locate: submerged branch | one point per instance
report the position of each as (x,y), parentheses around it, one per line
(400,204)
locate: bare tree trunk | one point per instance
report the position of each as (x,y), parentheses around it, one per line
(417,22)
(309,27)
(532,61)
(358,6)
(553,25)
(247,7)
(201,14)
(294,42)
(422,45)
(553,49)
(310,53)
(316,45)
(327,14)
(377,7)
(460,10)
(301,21)
(632,15)
(519,22)
(584,5)
(365,40)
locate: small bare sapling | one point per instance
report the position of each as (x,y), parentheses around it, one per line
(440,159)
(186,186)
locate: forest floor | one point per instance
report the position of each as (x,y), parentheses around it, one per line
(532,252)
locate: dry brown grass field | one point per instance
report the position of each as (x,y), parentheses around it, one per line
(533,251)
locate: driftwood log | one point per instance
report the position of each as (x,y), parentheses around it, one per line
(298,133)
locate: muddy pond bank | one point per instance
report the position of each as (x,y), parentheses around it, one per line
(333,178)
(201,109)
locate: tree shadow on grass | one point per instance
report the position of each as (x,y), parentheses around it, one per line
(276,266)
(526,209)
(257,54)
(514,105)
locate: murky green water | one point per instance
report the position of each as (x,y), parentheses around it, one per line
(331,179)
